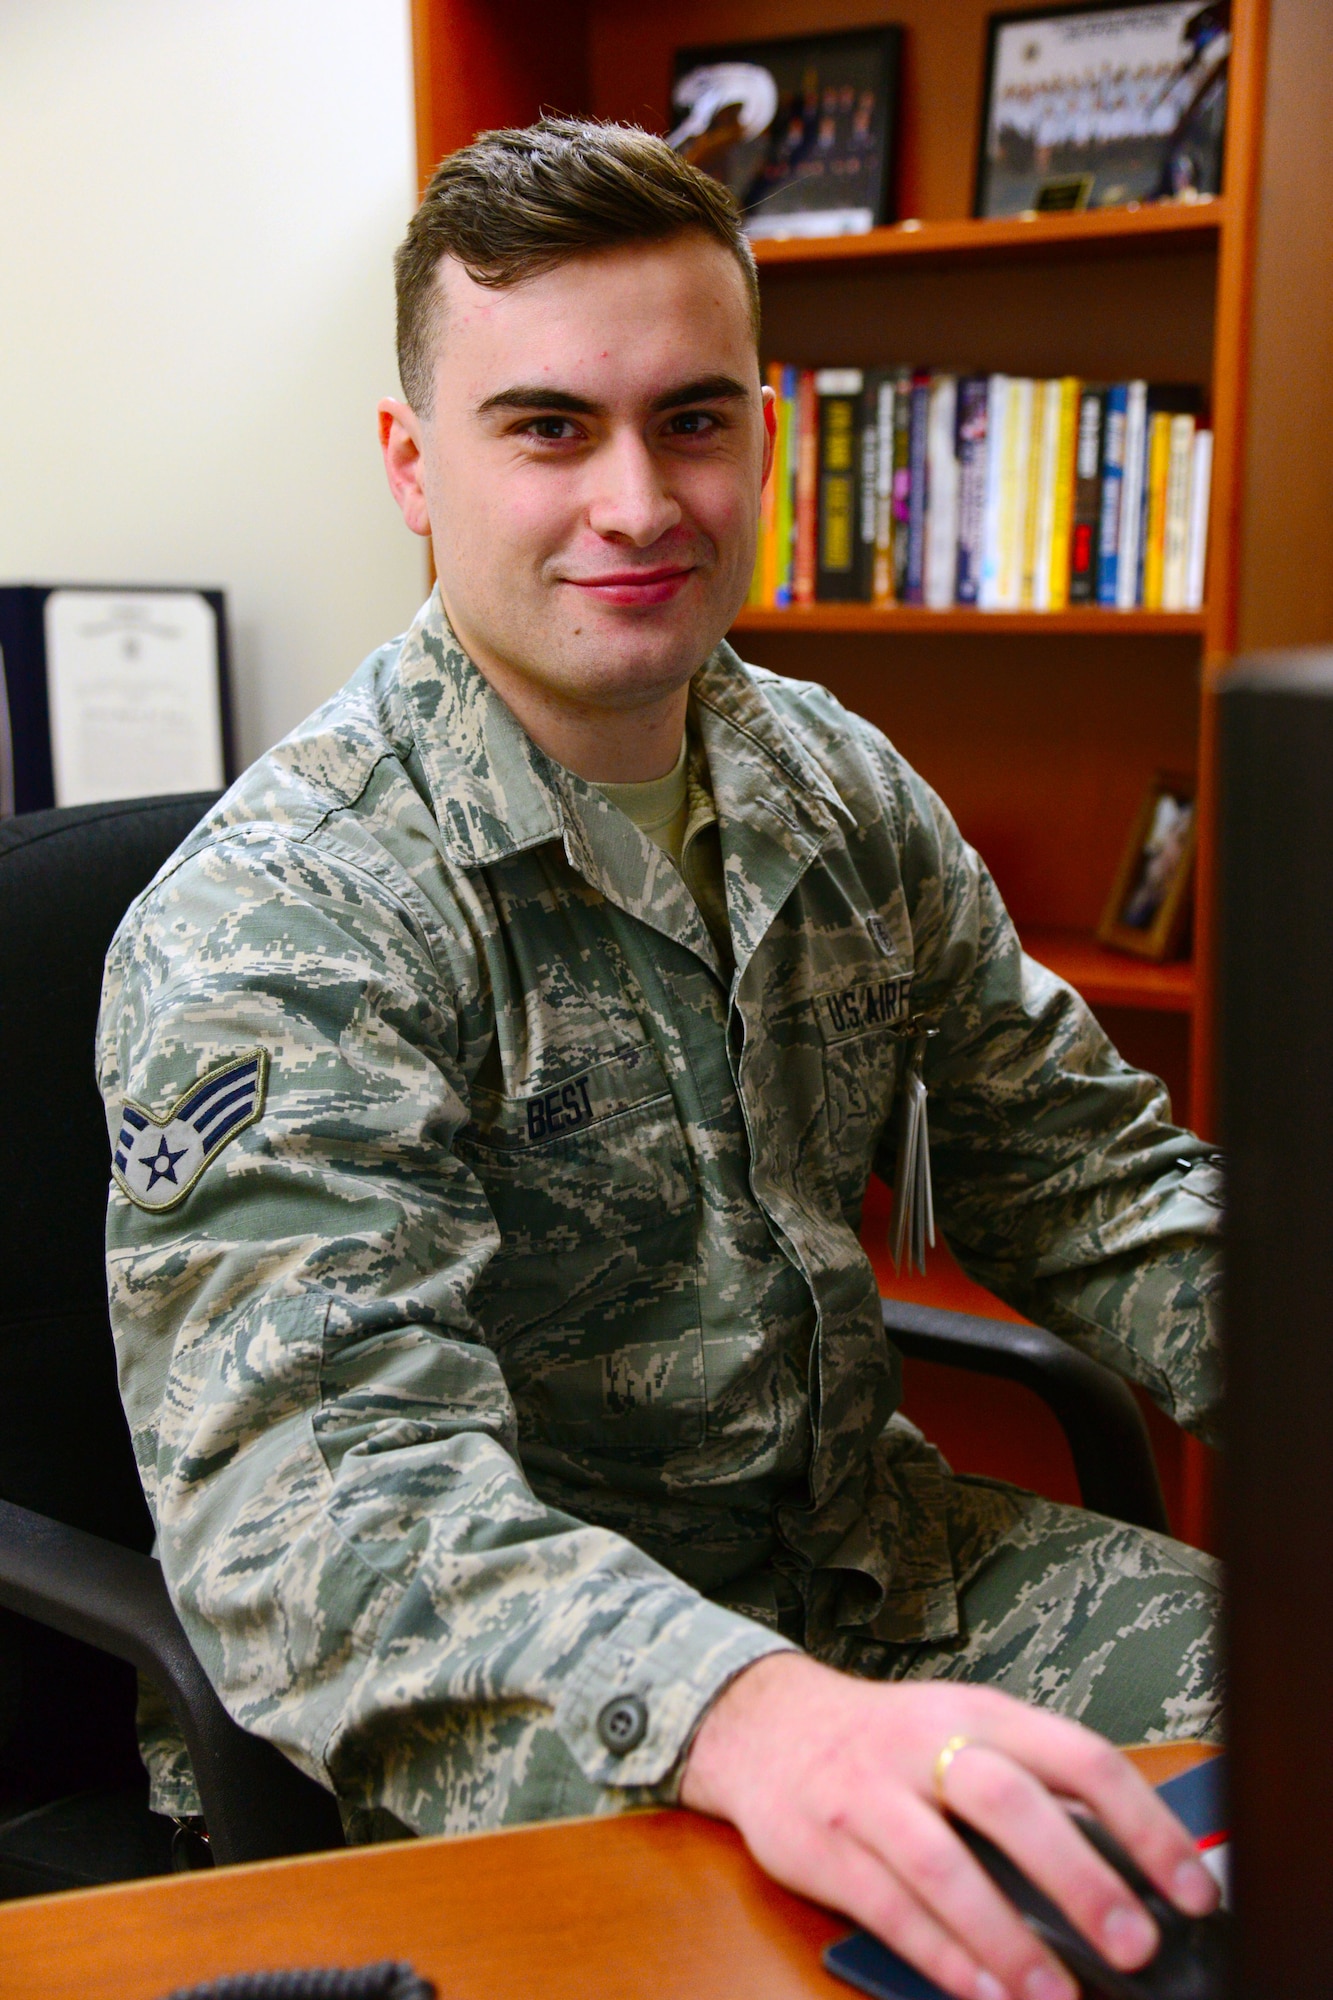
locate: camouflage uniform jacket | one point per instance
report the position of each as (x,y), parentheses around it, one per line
(443,1454)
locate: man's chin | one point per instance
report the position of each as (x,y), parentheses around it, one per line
(636,657)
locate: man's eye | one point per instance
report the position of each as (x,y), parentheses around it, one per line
(551,430)
(693,423)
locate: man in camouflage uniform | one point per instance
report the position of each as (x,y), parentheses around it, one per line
(506,1375)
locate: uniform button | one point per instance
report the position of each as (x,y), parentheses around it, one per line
(623,1724)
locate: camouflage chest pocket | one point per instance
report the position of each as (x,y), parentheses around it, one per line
(860,1025)
(591,1302)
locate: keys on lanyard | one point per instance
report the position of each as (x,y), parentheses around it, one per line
(913,1198)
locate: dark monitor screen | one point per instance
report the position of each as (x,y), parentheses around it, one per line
(1276,990)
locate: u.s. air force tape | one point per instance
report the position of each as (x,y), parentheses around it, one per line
(157,1161)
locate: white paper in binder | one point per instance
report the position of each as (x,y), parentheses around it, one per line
(132,688)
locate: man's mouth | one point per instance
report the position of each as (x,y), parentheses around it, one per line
(635,587)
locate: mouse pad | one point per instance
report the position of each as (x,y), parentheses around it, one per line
(1196,1797)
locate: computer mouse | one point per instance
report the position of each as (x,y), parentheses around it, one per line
(1191,1962)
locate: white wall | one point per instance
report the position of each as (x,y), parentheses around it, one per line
(199,201)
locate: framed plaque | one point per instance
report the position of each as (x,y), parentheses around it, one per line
(111,694)
(1095,106)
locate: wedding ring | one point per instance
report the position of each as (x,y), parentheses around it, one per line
(942,1763)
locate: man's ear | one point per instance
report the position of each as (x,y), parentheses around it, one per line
(770,408)
(401,444)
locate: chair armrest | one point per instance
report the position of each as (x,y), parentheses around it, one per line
(1107,1437)
(256,1803)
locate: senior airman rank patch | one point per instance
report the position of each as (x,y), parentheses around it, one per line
(157,1161)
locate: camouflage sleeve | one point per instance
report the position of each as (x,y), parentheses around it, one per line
(1061,1182)
(327,1445)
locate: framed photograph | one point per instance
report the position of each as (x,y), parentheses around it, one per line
(1095,106)
(803,131)
(1148,910)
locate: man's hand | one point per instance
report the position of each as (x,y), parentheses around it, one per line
(832,1782)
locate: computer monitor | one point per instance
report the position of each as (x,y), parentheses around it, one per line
(1276,990)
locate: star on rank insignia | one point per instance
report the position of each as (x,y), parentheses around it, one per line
(158,1160)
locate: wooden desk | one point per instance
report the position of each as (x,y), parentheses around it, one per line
(662,1905)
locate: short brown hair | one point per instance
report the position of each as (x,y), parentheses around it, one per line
(516,203)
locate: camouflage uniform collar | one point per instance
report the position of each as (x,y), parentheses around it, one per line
(491,788)
(494,793)
(730,703)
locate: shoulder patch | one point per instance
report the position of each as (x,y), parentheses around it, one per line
(158,1160)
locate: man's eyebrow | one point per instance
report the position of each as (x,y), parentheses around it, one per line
(708,389)
(532,396)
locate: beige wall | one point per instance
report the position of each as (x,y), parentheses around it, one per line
(199,201)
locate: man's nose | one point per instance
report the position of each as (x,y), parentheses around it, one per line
(631,501)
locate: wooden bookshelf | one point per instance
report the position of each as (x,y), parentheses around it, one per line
(1041,731)
(1088,620)
(1108,978)
(1164,223)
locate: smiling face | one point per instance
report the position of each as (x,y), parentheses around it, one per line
(589,473)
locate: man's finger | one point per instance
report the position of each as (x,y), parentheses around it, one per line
(912,1839)
(840,1871)
(1004,1801)
(1073,1761)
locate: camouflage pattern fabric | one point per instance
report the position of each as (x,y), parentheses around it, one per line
(443,1456)
(1113,1626)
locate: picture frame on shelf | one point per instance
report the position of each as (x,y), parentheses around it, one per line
(802,129)
(1148,910)
(1101,105)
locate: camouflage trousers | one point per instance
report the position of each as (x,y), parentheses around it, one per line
(1111,1625)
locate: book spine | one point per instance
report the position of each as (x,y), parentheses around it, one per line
(1154,540)
(918,441)
(1131,497)
(1087,496)
(807,490)
(882,584)
(839,394)
(1175,554)
(1014,492)
(1113,484)
(784,525)
(868,456)
(942,493)
(1041,495)
(1201,480)
(997,405)
(902,480)
(973,396)
(1063,521)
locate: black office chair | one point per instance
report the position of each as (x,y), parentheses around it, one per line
(74,1529)
(75,1572)
(1103,1425)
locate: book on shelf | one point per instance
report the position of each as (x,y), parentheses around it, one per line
(838,393)
(901,505)
(805,523)
(972,450)
(940,498)
(914,486)
(1112,494)
(1062,513)
(1131,518)
(882,568)
(1087,495)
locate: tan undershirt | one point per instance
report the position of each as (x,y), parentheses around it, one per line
(677,812)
